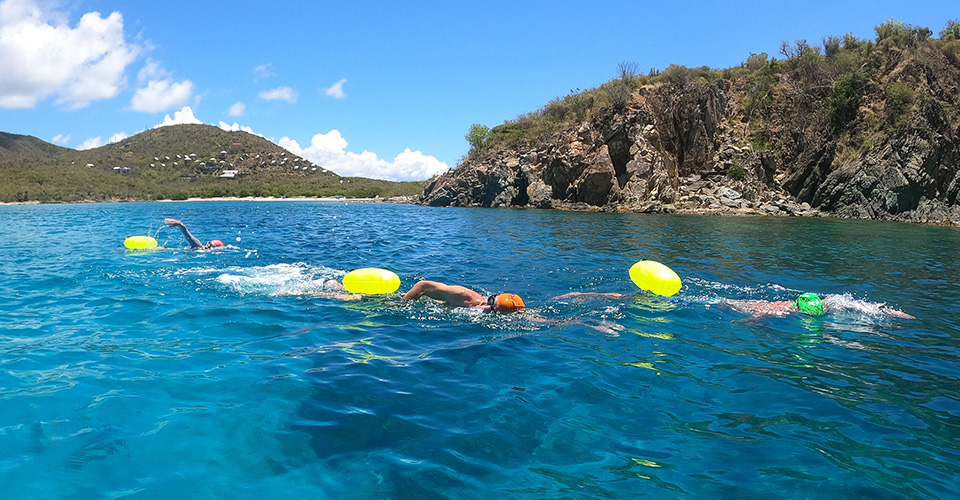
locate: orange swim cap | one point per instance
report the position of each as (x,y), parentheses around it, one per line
(506,302)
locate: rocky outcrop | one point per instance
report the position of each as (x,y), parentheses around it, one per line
(666,152)
(685,147)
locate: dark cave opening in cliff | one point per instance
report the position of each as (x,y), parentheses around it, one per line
(619,148)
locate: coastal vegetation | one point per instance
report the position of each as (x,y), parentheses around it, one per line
(172,163)
(831,81)
(849,126)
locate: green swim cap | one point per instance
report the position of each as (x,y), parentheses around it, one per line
(809,303)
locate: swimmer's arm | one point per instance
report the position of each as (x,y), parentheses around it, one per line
(759,308)
(454,295)
(608,327)
(194,242)
(422,288)
(896,313)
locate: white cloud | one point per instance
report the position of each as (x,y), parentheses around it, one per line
(96,142)
(336,91)
(152,71)
(236,127)
(119,136)
(61,139)
(185,115)
(93,142)
(263,71)
(329,151)
(160,95)
(237,109)
(279,93)
(43,56)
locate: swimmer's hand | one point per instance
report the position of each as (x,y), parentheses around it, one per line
(896,313)
(172,222)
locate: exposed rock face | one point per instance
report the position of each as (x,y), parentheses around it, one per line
(666,151)
(686,148)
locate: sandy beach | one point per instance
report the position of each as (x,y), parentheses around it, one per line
(397,199)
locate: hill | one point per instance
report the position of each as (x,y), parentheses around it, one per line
(855,128)
(172,162)
(18,148)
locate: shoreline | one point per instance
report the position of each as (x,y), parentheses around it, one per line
(408,200)
(395,199)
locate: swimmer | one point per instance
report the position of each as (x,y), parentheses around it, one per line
(459,296)
(809,304)
(195,244)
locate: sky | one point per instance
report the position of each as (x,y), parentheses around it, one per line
(379,89)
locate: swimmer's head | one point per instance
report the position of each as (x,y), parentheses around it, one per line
(505,302)
(809,303)
(216,243)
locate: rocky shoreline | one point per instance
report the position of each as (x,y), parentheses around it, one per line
(696,147)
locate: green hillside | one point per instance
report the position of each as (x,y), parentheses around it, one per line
(173,162)
(19,148)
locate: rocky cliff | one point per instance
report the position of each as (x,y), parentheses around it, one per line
(876,139)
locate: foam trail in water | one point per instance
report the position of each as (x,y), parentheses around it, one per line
(712,292)
(846,304)
(275,278)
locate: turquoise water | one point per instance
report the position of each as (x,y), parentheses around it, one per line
(189,374)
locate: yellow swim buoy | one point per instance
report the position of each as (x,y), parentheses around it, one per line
(655,277)
(140,242)
(371,281)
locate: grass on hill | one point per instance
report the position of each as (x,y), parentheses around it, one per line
(833,78)
(157,164)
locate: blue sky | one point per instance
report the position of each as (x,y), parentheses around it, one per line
(374,89)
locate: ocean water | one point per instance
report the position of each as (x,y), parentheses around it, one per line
(182,374)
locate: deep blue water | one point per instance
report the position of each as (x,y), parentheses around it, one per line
(179,374)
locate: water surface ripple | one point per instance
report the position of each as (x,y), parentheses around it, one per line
(166,373)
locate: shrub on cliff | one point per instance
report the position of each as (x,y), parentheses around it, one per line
(900,34)
(615,94)
(898,99)
(477,137)
(844,100)
(680,76)
(951,31)
(737,171)
(760,83)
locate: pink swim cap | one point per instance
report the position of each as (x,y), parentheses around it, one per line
(216,243)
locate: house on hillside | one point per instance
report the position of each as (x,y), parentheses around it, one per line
(121,170)
(228,174)
(223,155)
